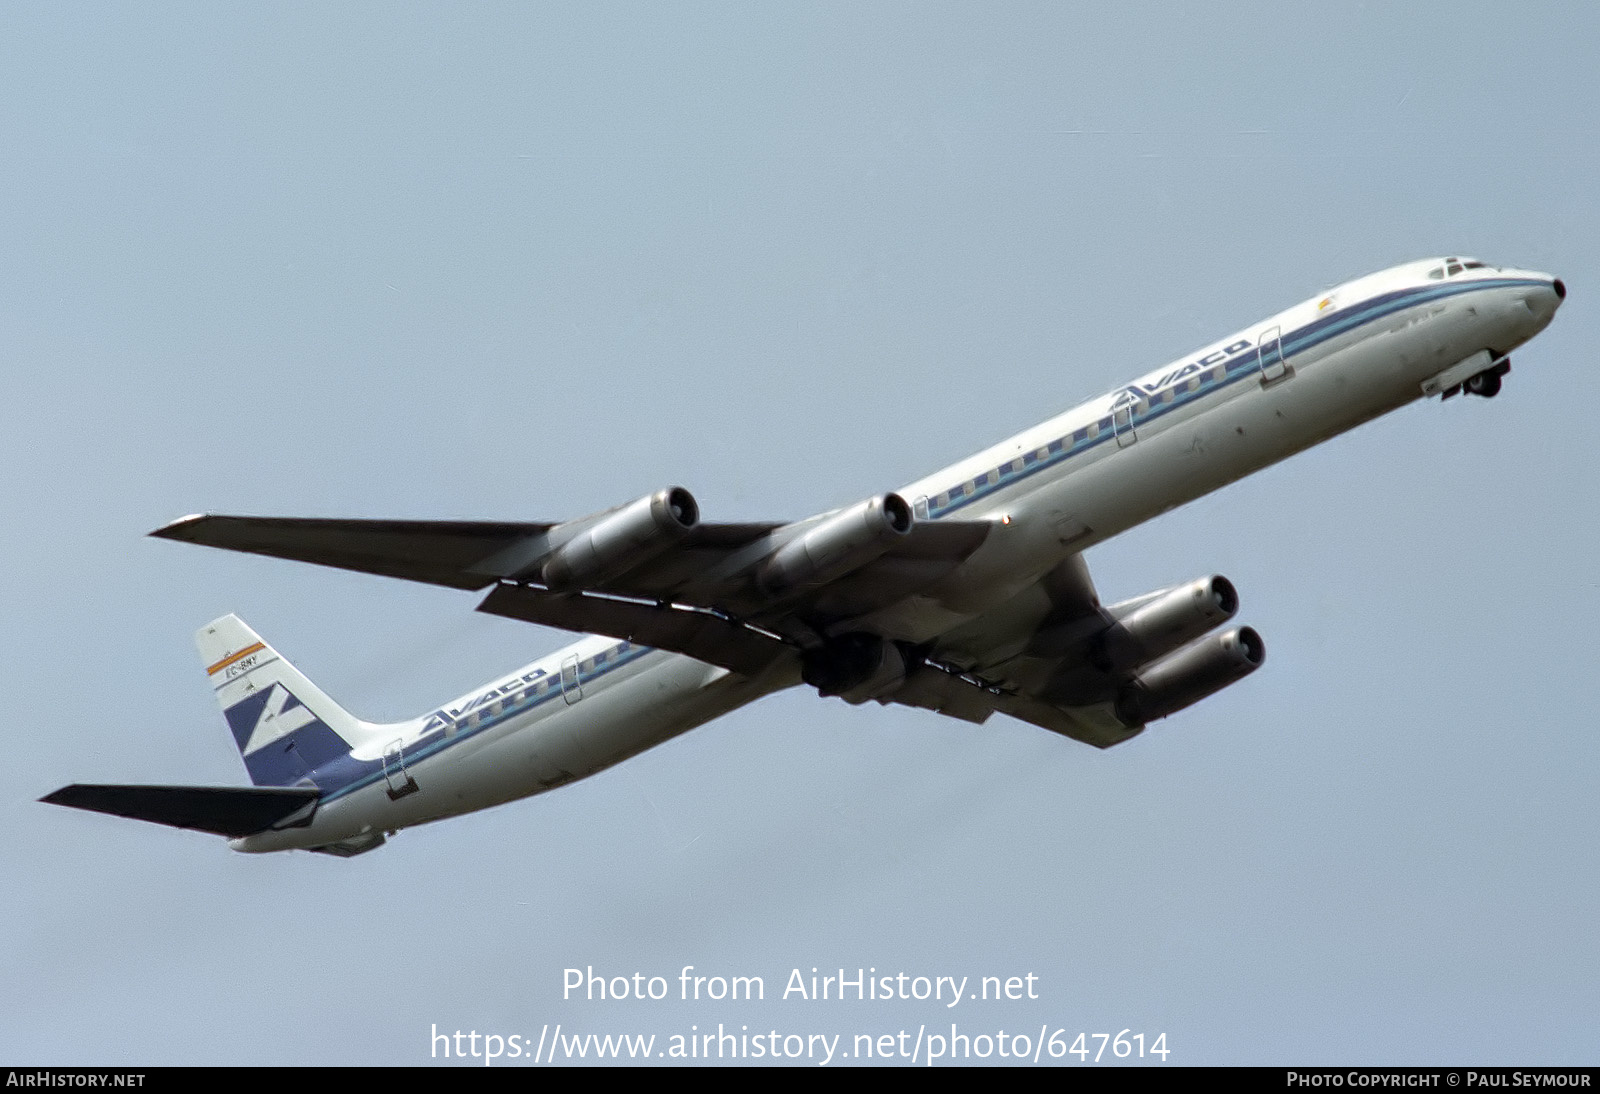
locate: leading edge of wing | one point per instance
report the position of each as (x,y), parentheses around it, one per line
(439,552)
(462,554)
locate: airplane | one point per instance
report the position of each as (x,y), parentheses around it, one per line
(964,593)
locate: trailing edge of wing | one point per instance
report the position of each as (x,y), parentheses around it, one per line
(1092,725)
(223,811)
(966,698)
(697,633)
(440,552)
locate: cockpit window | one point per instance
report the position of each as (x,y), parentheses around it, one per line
(1454,266)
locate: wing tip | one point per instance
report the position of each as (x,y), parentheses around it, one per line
(60,796)
(175,529)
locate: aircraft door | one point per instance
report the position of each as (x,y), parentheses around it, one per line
(1270,351)
(399,780)
(1122,424)
(571,682)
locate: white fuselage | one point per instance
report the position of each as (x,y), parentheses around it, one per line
(1208,419)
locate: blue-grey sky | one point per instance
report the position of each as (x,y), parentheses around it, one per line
(527,262)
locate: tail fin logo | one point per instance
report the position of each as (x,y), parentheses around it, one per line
(264,717)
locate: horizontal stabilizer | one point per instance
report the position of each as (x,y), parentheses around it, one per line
(441,552)
(223,810)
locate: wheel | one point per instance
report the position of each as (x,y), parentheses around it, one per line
(1486,384)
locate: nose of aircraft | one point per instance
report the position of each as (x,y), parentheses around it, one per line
(1543,300)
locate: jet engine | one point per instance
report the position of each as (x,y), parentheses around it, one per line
(616,542)
(1163,623)
(835,546)
(1184,678)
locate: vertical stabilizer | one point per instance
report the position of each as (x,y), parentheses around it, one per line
(285,726)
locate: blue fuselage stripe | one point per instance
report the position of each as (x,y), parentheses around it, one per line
(1213,378)
(346,774)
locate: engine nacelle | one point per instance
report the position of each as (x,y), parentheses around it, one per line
(855,667)
(843,542)
(1165,623)
(1184,678)
(617,542)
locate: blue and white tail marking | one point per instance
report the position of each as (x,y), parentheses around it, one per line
(285,726)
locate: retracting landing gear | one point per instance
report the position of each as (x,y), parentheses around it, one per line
(1487,382)
(1484,382)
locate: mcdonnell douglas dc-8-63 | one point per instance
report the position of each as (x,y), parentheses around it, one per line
(964,593)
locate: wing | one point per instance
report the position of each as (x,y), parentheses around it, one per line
(735,595)
(973,698)
(1054,657)
(463,554)
(1011,661)
(742,596)
(440,552)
